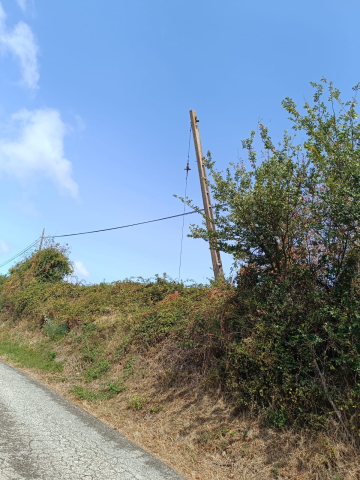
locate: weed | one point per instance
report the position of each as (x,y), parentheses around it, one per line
(276,418)
(114,388)
(222,432)
(129,368)
(51,355)
(85,393)
(136,402)
(97,370)
(105,310)
(89,329)
(91,353)
(54,329)
(216,440)
(276,470)
(157,409)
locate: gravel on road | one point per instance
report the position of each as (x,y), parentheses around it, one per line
(45,437)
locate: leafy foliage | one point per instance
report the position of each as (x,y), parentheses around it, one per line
(292,225)
(50,265)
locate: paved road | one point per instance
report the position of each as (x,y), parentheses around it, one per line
(45,437)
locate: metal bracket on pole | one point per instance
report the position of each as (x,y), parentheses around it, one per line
(215,254)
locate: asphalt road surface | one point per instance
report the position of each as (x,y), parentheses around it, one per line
(45,437)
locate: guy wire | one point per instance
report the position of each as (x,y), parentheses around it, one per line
(185,197)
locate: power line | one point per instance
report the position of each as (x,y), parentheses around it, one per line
(20,253)
(127,226)
(97,231)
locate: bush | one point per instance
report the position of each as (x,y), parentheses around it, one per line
(3,279)
(292,223)
(51,264)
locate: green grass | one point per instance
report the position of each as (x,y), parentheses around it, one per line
(26,356)
(97,370)
(85,393)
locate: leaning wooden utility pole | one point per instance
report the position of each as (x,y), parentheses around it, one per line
(215,254)
(42,239)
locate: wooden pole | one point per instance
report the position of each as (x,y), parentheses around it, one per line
(42,239)
(215,254)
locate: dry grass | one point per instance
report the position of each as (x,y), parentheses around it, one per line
(169,411)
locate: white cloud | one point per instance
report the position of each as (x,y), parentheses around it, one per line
(37,147)
(4,248)
(22,4)
(20,42)
(80,270)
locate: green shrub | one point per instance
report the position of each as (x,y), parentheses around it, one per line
(276,418)
(97,370)
(114,388)
(51,264)
(53,329)
(136,402)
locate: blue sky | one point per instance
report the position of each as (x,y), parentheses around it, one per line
(94,113)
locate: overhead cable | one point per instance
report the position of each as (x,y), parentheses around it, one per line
(127,226)
(20,253)
(97,231)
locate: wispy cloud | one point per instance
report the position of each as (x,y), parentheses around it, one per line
(36,146)
(80,270)
(21,43)
(22,4)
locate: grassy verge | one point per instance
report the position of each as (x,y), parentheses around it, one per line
(160,398)
(23,355)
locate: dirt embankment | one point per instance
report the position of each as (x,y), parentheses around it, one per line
(171,408)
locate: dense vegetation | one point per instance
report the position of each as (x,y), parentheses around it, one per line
(292,224)
(284,340)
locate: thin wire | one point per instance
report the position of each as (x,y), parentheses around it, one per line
(186,185)
(21,253)
(182,230)
(127,226)
(97,231)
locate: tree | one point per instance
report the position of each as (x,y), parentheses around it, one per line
(299,207)
(292,223)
